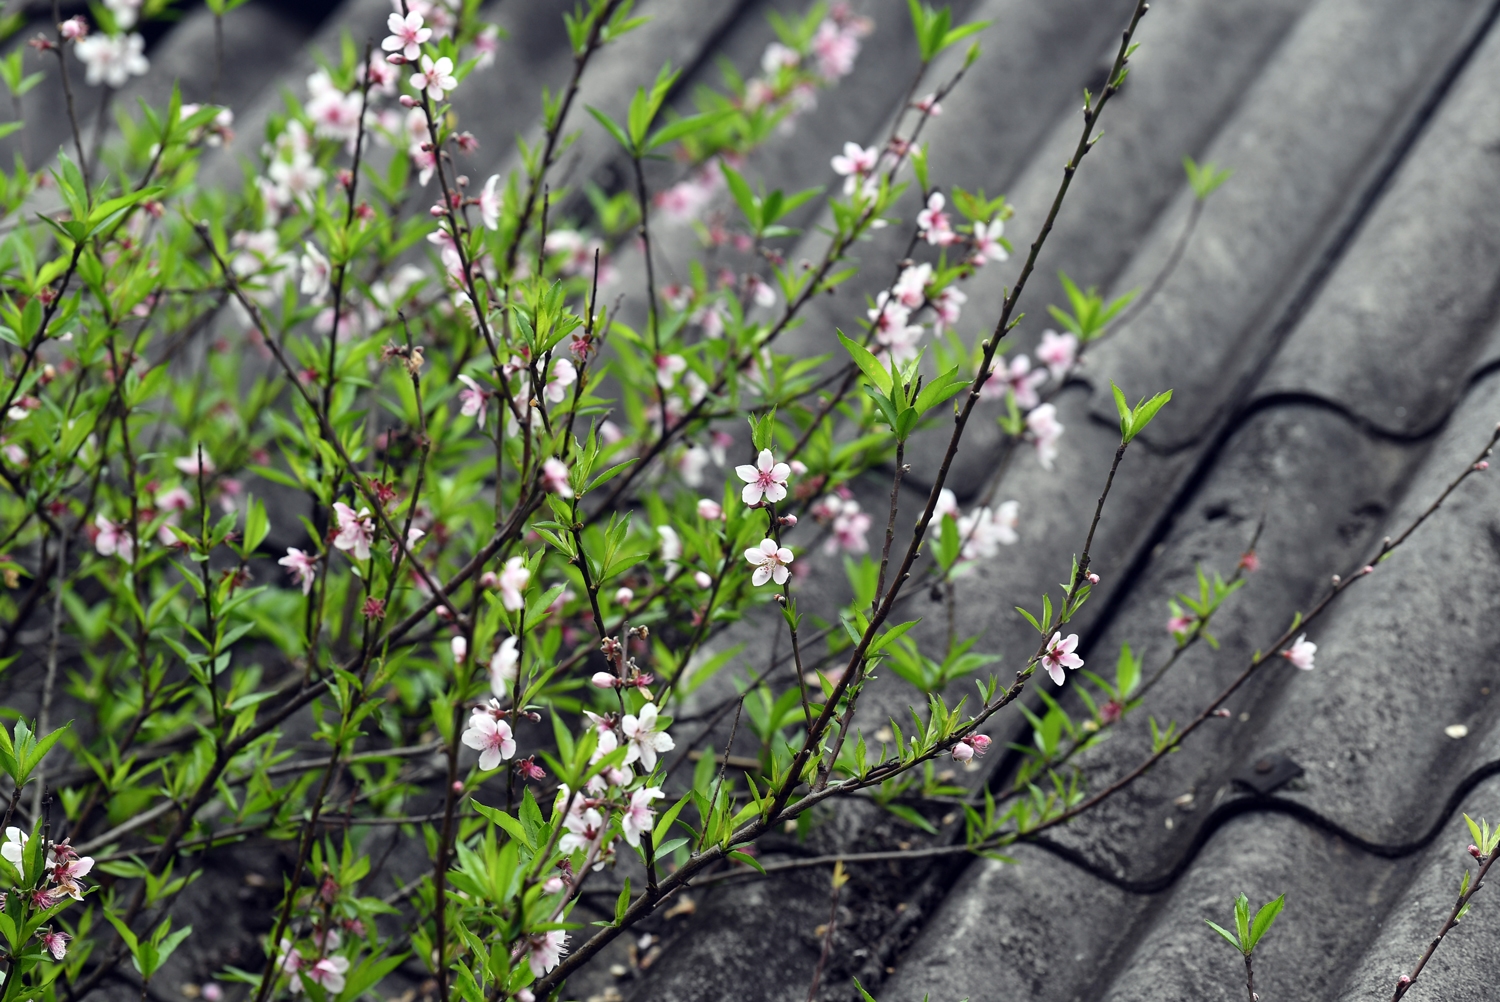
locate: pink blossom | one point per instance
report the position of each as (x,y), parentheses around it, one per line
(490,737)
(406,36)
(1046,430)
(191,466)
(487,44)
(855,163)
(1017,377)
(55,943)
(985,530)
(1059,655)
(929,104)
(490,201)
(1300,654)
(644,738)
(667,369)
(436,78)
(836,49)
(849,528)
(911,286)
(760,291)
(112,59)
(174,499)
(948,304)
(474,400)
(1058,352)
(504,667)
(67,874)
(766,479)
(315,273)
(384,77)
(545,951)
(638,818)
(356,532)
(113,539)
(947,505)
(710,510)
(304,566)
(771,562)
(72,30)
(329,972)
(335,114)
(563,375)
(513,580)
(1180,623)
(555,477)
(933,222)
(969,747)
(777,57)
(1250,561)
(987,245)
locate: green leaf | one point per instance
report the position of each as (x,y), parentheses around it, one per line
(612,129)
(686,127)
(1205,179)
(1228,936)
(873,370)
(512,827)
(1263,919)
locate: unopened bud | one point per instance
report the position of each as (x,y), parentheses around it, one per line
(604,680)
(1223,712)
(437,210)
(1474,851)
(463,180)
(407,101)
(788,520)
(1483,464)
(1403,980)
(798,467)
(458,786)
(1368,569)
(1093,578)
(1337,580)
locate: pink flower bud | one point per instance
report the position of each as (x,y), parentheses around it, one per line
(981,743)
(554,885)
(1369,569)
(74,28)
(624,596)
(1474,851)
(436,211)
(963,752)
(489,579)
(1337,580)
(702,580)
(1403,980)
(1093,578)
(1223,711)
(460,649)
(1482,465)
(604,680)
(407,101)
(798,467)
(458,786)
(710,510)
(788,520)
